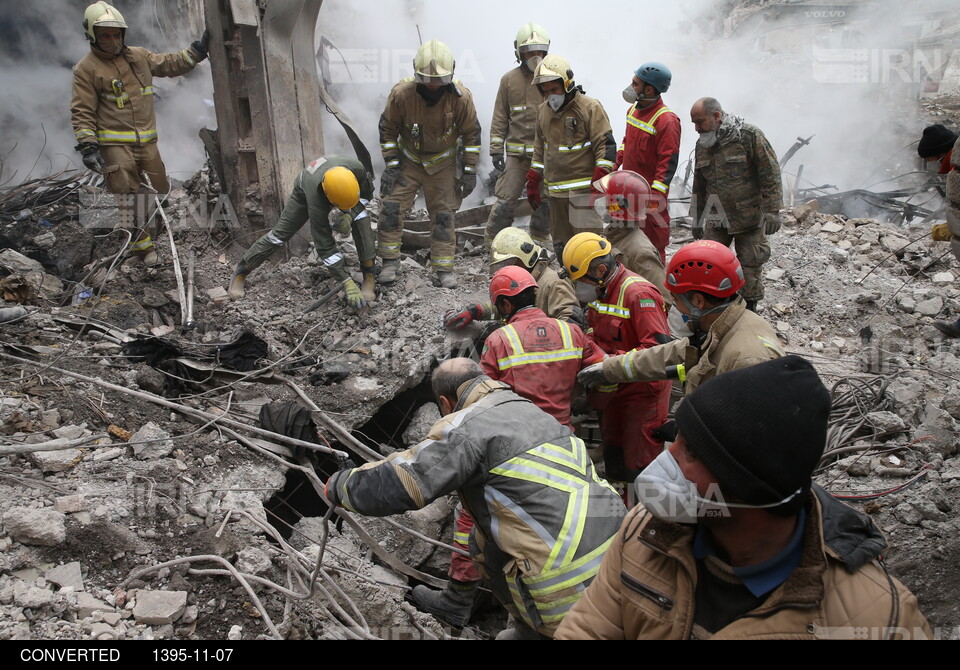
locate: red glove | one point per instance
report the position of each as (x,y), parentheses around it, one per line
(533,188)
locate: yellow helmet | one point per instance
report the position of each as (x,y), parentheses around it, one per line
(433,63)
(554,67)
(580,250)
(514,243)
(101,15)
(532,37)
(341,187)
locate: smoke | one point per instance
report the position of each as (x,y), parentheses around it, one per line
(41,41)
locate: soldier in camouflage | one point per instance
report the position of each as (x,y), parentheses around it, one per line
(737,191)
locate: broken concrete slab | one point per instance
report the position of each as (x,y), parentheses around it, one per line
(253,561)
(56,461)
(32,596)
(39,527)
(158,608)
(159,443)
(18,263)
(65,576)
(87,605)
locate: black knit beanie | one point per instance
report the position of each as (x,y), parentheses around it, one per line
(760,430)
(936,141)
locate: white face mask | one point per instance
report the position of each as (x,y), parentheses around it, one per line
(532,63)
(629,95)
(586,293)
(556,101)
(707,140)
(670,496)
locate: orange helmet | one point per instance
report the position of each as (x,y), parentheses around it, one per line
(510,281)
(705,266)
(626,196)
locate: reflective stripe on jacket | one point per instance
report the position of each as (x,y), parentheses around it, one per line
(651,145)
(515,114)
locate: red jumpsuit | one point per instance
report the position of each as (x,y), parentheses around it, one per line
(628,317)
(539,358)
(651,148)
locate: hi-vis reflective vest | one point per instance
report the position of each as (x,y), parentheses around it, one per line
(515,114)
(651,145)
(112,99)
(568,146)
(425,135)
(539,358)
(543,516)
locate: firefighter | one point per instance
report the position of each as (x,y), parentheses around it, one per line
(706,278)
(555,296)
(627,313)
(328,183)
(511,135)
(627,202)
(113,118)
(538,357)
(543,516)
(651,145)
(573,148)
(425,119)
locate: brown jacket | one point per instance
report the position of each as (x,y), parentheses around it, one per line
(647,584)
(555,296)
(112,99)
(570,144)
(515,114)
(738,339)
(427,135)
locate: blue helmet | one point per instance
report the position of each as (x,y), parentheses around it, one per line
(657,75)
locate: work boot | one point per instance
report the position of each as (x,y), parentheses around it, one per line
(454,604)
(447,279)
(388,273)
(950,329)
(237,290)
(368,287)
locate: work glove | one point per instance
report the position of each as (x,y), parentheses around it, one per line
(390,178)
(941,233)
(667,432)
(457,320)
(499,163)
(90,154)
(330,489)
(697,232)
(343,222)
(533,188)
(202,46)
(592,376)
(352,295)
(598,174)
(771,223)
(466,184)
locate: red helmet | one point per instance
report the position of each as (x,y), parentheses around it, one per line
(706,266)
(510,281)
(626,196)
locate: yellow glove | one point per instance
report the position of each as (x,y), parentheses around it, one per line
(352,295)
(343,222)
(941,233)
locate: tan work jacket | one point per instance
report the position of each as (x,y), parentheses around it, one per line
(515,114)
(570,143)
(112,99)
(555,296)
(426,135)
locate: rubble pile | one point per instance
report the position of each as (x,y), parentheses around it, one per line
(145,520)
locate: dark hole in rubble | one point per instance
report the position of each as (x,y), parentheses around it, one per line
(386,427)
(298,499)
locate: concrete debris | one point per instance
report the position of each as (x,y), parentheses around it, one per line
(253,561)
(158,442)
(39,527)
(156,608)
(18,263)
(66,576)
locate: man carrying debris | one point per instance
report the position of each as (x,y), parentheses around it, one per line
(952,329)
(651,146)
(543,516)
(573,148)
(513,247)
(705,277)
(511,135)
(626,313)
(538,357)
(733,540)
(329,183)
(424,122)
(737,192)
(113,118)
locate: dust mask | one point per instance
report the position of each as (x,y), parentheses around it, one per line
(556,101)
(629,95)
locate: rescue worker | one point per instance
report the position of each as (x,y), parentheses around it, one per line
(737,192)
(627,204)
(543,516)
(425,120)
(952,328)
(733,540)
(511,135)
(338,184)
(936,146)
(573,147)
(627,313)
(555,296)
(112,114)
(705,276)
(538,358)
(651,145)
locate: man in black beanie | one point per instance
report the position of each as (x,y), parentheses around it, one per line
(733,540)
(936,145)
